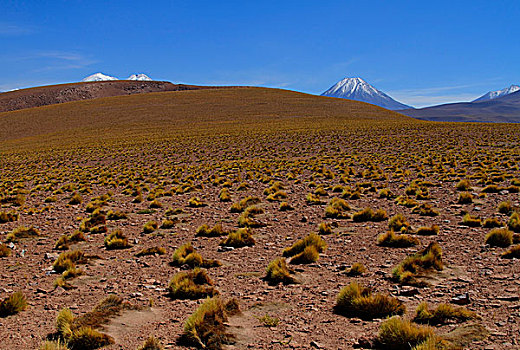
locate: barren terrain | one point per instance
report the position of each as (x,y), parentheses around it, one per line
(170,156)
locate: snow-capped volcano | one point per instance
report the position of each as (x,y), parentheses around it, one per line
(499,93)
(141,77)
(359,90)
(99,77)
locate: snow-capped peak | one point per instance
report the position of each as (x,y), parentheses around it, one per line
(98,77)
(142,77)
(499,93)
(359,90)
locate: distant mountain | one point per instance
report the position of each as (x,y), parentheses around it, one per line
(505,109)
(359,90)
(499,93)
(140,77)
(98,77)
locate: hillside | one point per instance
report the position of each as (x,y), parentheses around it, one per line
(53,94)
(157,114)
(505,109)
(319,217)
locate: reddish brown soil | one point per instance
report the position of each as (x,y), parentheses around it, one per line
(49,95)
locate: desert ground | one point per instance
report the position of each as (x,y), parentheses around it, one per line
(86,186)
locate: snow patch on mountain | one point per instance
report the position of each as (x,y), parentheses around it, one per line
(140,77)
(99,77)
(359,90)
(499,93)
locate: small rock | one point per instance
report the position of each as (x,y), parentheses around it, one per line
(316,345)
(462,299)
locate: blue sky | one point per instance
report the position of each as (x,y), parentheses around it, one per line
(419,52)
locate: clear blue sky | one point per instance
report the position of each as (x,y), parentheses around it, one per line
(419,52)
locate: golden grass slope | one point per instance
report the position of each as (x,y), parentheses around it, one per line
(172,113)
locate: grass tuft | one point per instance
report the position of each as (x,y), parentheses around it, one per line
(355,300)
(442,314)
(239,238)
(278,272)
(391,239)
(499,237)
(421,262)
(13,304)
(399,334)
(193,284)
(187,255)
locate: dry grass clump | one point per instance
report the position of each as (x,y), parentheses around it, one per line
(22,232)
(513,252)
(224,195)
(337,209)
(8,216)
(406,201)
(278,272)
(491,189)
(470,220)
(492,223)
(428,230)
(355,300)
(399,223)
(117,240)
(368,214)
(397,333)
(75,199)
(505,207)
(156,204)
(150,226)
(499,237)
(285,206)
(248,217)
(193,284)
(54,345)
(325,228)
(514,222)
(5,251)
(206,328)
(13,304)
(391,239)
(357,269)
(96,219)
(463,185)
(425,209)
(168,224)
(312,240)
(465,198)
(68,260)
(80,333)
(65,241)
(116,215)
(277,196)
(423,261)
(244,203)
(151,344)
(196,202)
(240,238)
(206,231)
(151,251)
(442,314)
(313,199)
(187,255)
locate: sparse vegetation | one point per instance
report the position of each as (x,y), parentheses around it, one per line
(499,237)
(391,239)
(357,269)
(205,328)
(432,230)
(151,251)
(240,238)
(22,232)
(13,304)
(442,314)
(278,272)
(397,333)
(368,214)
(117,240)
(421,262)
(355,300)
(206,231)
(193,284)
(186,255)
